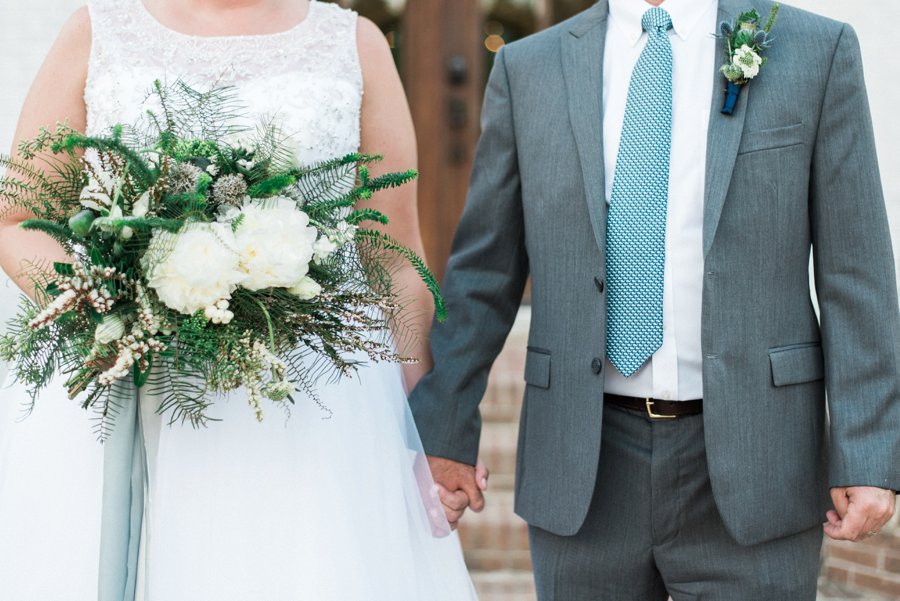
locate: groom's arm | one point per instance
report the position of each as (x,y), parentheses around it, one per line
(857,292)
(483,287)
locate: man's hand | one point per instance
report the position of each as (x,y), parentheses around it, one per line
(861,512)
(460,486)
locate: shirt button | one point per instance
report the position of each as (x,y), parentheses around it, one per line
(597,365)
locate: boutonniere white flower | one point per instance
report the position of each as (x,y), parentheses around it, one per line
(745,43)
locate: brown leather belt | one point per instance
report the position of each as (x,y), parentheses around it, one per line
(655,408)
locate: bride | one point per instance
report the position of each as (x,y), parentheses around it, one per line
(337,509)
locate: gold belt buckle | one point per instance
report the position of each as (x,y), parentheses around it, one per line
(649,403)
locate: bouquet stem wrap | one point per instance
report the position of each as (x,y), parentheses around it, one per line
(124,486)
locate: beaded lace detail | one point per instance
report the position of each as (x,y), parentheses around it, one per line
(306,80)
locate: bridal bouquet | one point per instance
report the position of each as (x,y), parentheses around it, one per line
(203,260)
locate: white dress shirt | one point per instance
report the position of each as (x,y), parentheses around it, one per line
(674,372)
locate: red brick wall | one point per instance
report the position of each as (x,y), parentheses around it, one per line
(872,565)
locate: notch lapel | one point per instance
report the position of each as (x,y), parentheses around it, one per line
(582,56)
(723,140)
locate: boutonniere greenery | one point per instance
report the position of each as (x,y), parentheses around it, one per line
(745,42)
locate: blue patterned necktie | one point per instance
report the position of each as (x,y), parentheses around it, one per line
(636,225)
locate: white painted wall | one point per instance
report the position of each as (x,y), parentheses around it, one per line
(28,27)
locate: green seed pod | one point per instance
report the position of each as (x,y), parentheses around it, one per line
(81,222)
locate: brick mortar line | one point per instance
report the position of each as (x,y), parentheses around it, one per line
(853,569)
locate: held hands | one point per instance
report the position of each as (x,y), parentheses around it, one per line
(861,512)
(460,486)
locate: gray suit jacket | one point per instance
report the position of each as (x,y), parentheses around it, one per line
(793,170)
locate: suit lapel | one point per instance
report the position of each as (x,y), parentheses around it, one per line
(582,55)
(723,140)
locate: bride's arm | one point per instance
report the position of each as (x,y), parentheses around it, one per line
(55,96)
(387,129)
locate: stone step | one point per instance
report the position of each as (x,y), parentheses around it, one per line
(495,539)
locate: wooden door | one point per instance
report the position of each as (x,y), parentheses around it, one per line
(444,50)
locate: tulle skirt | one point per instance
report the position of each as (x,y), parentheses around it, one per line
(51,467)
(333,504)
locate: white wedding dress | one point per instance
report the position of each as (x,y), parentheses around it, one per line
(335,506)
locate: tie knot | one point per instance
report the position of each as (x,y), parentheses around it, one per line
(656,19)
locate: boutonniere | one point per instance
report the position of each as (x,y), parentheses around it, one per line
(745,42)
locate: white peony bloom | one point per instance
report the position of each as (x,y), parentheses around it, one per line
(306,289)
(275,243)
(195,268)
(323,248)
(110,330)
(748,61)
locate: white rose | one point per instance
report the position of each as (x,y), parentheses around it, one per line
(275,243)
(111,329)
(306,289)
(748,60)
(195,268)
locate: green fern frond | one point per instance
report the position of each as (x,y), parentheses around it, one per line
(271,186)
(392,180)
(383,241)
(357,217)
(62,234)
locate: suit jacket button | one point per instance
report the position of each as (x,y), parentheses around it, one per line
(597,365)
(601,284)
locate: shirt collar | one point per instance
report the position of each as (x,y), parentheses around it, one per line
(627,14)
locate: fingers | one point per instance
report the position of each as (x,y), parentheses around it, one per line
(860,512)
(454,505)
(481,476)
(456,476)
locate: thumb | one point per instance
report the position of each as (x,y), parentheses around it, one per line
(841,501)
(482,473)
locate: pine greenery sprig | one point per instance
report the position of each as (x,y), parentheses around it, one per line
(380,240)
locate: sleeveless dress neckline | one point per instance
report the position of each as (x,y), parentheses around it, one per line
(155,23)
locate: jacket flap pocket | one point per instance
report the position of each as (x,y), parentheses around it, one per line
(797,364)
(767,139)
(537,368)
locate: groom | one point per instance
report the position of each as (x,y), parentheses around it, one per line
(675,436)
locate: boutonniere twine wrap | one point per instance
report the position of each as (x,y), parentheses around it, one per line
(745,43)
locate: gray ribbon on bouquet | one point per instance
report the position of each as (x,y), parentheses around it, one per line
(124,488)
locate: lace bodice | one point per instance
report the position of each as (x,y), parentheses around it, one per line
(307,79)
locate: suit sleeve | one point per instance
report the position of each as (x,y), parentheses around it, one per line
(483,287)
(855,282)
